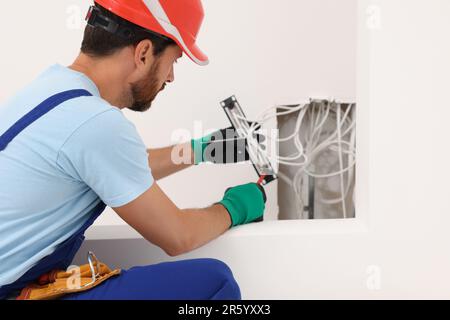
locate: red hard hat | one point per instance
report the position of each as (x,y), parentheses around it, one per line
(180,20)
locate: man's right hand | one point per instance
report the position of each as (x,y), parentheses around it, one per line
(245,203)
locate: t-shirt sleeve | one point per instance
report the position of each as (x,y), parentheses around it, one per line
(107,154)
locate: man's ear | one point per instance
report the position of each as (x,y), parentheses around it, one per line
(143,54)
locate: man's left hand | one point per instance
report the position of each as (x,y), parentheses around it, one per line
(224,146)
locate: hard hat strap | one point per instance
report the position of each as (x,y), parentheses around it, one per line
(96,19)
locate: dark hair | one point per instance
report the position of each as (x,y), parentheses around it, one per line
(98,42)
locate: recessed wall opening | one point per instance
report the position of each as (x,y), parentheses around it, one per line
(317,160)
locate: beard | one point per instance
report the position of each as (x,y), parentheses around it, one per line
(145,91)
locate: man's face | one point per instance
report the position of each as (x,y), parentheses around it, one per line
(161,72)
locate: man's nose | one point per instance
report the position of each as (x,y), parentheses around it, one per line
(171,76)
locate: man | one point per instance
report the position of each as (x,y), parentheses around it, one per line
(67,151)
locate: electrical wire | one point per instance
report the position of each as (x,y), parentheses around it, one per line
(318,114)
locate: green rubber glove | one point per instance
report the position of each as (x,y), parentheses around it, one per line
(245,203)
(223,146)
(199,146)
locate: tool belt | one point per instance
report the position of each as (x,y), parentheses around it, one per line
(58,283)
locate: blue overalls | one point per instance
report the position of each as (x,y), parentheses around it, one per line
(197,279)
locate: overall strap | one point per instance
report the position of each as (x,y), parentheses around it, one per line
(38,112)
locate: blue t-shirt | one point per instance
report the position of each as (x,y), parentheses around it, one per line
(54,173)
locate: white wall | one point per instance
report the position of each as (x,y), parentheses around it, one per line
(397,247)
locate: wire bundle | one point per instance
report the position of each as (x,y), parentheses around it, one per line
(311,139)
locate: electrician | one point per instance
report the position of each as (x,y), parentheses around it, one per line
(67,151)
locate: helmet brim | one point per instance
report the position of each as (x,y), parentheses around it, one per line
(197,55)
